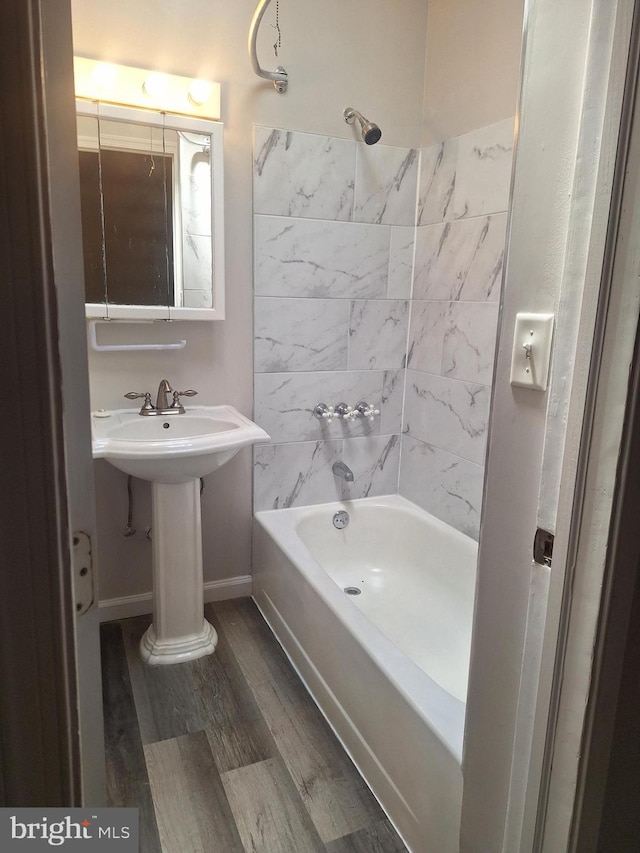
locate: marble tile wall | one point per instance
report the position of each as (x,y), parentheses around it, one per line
(334,229)
(459,253)
(377,277)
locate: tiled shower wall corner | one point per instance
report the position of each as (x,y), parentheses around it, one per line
(334,229)
(335,224)
(460,238)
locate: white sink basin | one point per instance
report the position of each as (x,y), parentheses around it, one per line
(174,448)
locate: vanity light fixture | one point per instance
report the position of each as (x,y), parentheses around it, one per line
(156,87)
(140,87)
(199,92)
(104,76)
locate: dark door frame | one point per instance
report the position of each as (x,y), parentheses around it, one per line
(39,737)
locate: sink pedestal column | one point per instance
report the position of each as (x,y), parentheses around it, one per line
(179,631)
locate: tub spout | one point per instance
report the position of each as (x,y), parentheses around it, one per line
(342,470)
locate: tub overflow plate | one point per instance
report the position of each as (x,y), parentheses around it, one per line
(341,519)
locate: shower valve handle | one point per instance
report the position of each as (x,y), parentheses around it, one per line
(366,410)
(345,412)
(324,412)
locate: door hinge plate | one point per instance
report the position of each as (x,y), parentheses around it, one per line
(543,547)
(82,572)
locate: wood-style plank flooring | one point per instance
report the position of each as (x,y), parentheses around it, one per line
(229,754)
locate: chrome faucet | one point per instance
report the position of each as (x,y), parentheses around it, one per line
(342,470)
(162,406)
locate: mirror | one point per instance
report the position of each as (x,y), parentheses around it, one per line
(151,201)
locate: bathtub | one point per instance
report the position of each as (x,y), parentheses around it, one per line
(388,666)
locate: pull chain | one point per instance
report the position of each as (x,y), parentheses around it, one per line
(278,41)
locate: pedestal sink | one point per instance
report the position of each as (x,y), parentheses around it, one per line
(173,453)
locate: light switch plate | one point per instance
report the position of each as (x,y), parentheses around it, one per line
(532,351)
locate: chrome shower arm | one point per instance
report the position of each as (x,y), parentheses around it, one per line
(279,76)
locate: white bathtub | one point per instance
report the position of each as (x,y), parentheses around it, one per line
(388,667)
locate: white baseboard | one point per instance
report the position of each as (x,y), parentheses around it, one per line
(113,609)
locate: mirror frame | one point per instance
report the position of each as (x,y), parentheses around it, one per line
(188,124)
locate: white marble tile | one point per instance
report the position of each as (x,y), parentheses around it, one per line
(469,344)
(300,334)
(197,299)
(375,462)
(437,182)
(301,174)
(386,185)
(295,474)
(426,336)
(483,171)
(284,403)
(197,262)
(401,261)
(391,402)
(297,257)
(443,484)
(460,260)
(447,413)
(378,334)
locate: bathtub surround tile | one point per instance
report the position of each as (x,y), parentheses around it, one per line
(460,260)
(378,334)
(443,484)
(295,474)
(300,334)
(297,257)
(268,811)
(284,403)
(470,341)
(374,461)
(401,262)
(483,171)
(426,336)
(301,174)
(386,181)
(189,796)
(447,413)
(437,182)
(300,473)
(413,243)
(391,402)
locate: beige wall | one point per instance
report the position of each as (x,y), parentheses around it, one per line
(472,67)
(368,54)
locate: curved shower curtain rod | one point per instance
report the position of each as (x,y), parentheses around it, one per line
(279,76)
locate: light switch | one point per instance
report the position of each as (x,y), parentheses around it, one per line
(532,351)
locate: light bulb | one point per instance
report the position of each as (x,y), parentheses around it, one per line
(155,86)
(104,75)
(199,91)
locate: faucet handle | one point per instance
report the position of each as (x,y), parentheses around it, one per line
(345,412)
(176,404)
(134,395)
(325,413)
(366,410)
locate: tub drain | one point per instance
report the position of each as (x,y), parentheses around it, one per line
(352,590)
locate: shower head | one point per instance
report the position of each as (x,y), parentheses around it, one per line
(371,133)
